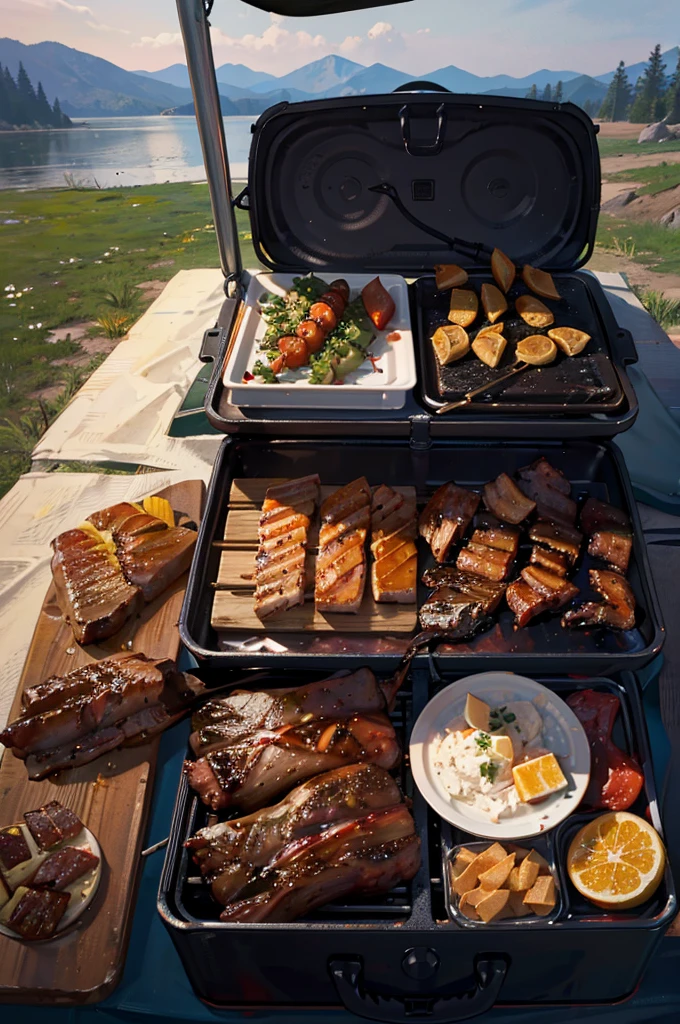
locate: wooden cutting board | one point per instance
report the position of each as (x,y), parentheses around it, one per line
(233,601)
(110,795)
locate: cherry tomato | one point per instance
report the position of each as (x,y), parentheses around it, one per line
(342,287)
(378,303)
(295,351)
(323,314)
(335,301)
(312,334)
(278,365)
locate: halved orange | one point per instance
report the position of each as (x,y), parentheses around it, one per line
(616,861)
(503,269)
(536,349)
(489,348)
(540,282)
(464,307)
(533,311)
(496,328)
(449,275)
(569,339)
(493,301)
(450,343)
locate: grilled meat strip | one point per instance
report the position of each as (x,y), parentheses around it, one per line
(617,609)
(51,824)
(255,770)
(503,497)
(368,855)
(553,561)
(128,697)
(537,591)
(63,867)
(154,560)
(13,848)
(93,595)
(124,520)
(341,561)
(560,537)
(610,532)
(394,571)
(598,515)
(495,533)
(462,602)
(37,912)
(446,517)
(550,489)
(483,560)
(231,853)
(525,602)
(280,575)
(226,721)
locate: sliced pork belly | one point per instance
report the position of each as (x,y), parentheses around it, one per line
(394,572)
(613,548)
(560,537)
(280,563)
(598,515)
(494,533)
(446,517)
(617,609)
(553,561)
(482,560)
(341,561)
(557,590)
(525,602)
(550,489)
(508,503)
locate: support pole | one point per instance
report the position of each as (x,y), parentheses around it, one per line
(196,35)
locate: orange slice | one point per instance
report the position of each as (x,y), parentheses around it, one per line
(540,282)
(496,328)
(489,348)
(569,339)
(533,311)
(494,302)
(450,343)
(616,861)
(503,269)
(449,275)
(536,349)
(464,306)
(538,778)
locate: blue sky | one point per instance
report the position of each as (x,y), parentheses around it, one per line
(487,37)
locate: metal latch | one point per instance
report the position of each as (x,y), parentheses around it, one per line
(210,346)
(420,433)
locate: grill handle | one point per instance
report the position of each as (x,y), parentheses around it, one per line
(489,975)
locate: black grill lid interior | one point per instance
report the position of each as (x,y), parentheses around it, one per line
(520,174)
(306,8)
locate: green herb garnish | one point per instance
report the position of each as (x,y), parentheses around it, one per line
(483,741)
(488,770)
(509,717)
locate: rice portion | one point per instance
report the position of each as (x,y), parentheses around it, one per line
(460,764)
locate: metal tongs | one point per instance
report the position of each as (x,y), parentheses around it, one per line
(517,367)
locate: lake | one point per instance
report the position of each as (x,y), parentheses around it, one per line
(110,151)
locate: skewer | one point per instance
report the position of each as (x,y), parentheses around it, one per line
(515,368)
(153,849)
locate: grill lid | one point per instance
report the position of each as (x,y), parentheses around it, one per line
(398,183)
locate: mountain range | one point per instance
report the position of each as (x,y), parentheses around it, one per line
(88,86)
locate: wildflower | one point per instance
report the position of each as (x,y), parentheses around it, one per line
(9,287)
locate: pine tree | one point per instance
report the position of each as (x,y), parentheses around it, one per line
(673,96)
(547,93)
(533,93)
(27,98)
(559,90)
(649,103)
(619,96)
(61,120)
(11,111)
(44,114)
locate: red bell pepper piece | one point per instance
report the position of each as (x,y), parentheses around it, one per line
(616,779)
(378,303)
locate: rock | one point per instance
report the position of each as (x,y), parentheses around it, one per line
(619,201)
(672,219)
(654,132)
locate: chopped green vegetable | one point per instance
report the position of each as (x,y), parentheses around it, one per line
(483,741)
(509,717)
(267,374)
(488,770)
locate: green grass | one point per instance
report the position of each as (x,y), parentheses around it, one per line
(78,255)
(655,246)
(665,311)
(655,179)
(624,147)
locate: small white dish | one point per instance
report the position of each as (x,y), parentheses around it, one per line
(363,389)
(562,733)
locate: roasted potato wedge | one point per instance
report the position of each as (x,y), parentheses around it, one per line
(494,302)
(450,343)
(489,348)
(464,307)
(540,282)
(533,311)
(537,350)
(449,275)
(503,270)
(569,339)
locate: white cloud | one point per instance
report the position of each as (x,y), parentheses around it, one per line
(159,42)
(381,28)
(51,5)
(350,43)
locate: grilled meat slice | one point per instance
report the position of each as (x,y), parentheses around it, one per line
(550,489)
(598,515)
(368,855)
(617,610)
(280,563)
(57,690)
(486,561)
(395,567)
(230,853)
(254,771)
(66,820)
(459,613)
(613,548)
(35,913)
(446,517)
(487,592)
(43,829)
(63,867)
(226,721)
(560,537)
(341,562)
(503,497)
(13,847)
(496,534)
(384,503)
(92,593)
(525,602)
(153,561)
(553,561)
(556,590)
(125,520)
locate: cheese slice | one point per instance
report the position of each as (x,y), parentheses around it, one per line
(477,713)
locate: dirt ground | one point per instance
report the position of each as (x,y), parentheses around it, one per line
(650,207)
(619,129)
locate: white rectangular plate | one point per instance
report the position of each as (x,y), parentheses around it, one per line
(363,389)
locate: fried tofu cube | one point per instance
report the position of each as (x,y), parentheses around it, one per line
(493,905)
(514,884)
(497,875)
(462,860)
(469,902)
(467,880)
(542,894)
(516,905)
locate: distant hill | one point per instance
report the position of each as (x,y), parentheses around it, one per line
(375,79)
(240,75)
(88,86)
(319,77)
(670,59)
(458,80)
(578,90)
(176,74)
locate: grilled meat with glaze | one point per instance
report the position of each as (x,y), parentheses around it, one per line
(341,561)
(280,563)
(617,610)
(550,489)
(446,517)
(503,497)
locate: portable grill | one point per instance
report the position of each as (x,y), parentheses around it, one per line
(397,184)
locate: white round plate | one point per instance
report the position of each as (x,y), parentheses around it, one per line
(562,733)
(82,891)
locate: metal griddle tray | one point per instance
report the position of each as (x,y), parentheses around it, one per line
(383,957)
(594,468)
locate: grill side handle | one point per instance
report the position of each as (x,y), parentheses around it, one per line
(489,974)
